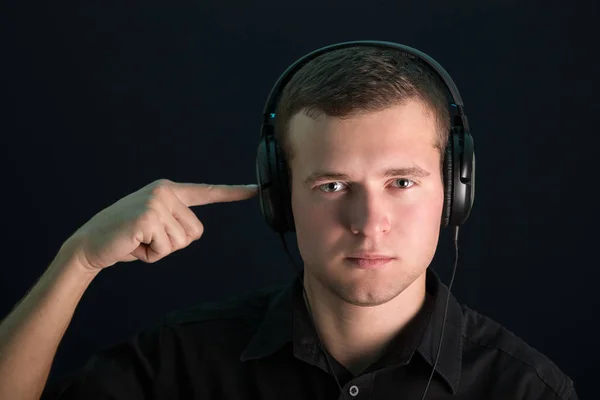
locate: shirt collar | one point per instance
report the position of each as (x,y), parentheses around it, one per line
(280,326)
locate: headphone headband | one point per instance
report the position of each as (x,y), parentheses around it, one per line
(270,106)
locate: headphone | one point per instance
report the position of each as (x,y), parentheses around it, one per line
(274,191)
(459,164)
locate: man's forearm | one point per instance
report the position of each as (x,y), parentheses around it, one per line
(32,331)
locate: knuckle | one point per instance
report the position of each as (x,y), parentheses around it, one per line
(179,242)
(196,228)
(197,232)
(162,182)
(210,192)
(160,189)
(154,203)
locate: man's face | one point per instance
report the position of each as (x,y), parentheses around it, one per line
(398,215)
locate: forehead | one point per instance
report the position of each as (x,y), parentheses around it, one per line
(400,136)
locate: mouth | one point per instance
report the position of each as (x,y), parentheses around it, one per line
(368,263)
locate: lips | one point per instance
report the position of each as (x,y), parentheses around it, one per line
(370,256)
(369,263)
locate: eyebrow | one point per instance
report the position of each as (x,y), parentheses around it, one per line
(415,172)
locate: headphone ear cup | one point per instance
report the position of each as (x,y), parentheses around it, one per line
(273,187)
(265,183)
(448,181)
(284,190)
(463,190)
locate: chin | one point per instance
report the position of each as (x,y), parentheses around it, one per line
(369,291)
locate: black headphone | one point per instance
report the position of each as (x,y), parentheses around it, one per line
(274,192)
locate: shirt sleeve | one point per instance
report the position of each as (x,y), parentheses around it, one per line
(127,370)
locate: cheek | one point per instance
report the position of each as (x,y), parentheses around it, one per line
(423,214)
(311,217)
(315,226)
(419,225)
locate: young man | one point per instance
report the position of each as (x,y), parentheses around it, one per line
(364,132)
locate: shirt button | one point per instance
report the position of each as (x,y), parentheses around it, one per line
(353,390)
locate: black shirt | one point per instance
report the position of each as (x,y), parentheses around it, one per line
(263,346)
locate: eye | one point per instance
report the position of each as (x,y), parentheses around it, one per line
(328,185)
(411,182)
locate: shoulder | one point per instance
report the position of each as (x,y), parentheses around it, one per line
(509,359)
(212,329)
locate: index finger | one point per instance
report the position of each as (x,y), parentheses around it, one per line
(198,194)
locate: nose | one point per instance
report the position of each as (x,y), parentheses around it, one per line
(368,214)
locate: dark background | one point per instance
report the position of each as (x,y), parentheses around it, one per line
(104,98)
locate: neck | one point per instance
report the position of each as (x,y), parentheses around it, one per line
(356,335)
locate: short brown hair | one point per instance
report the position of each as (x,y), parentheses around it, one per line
(354,80)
